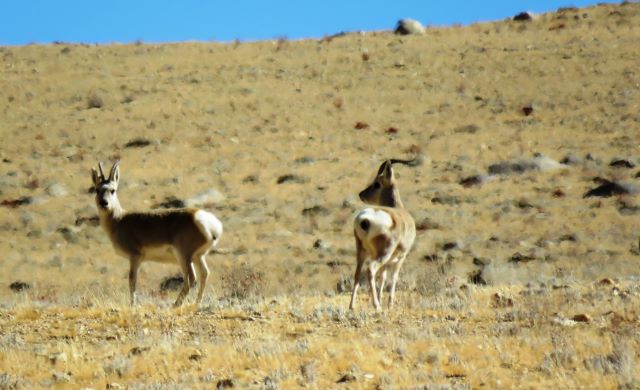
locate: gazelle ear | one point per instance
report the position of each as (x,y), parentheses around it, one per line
(114,175)
(385,171)
(95,177)
(383,167)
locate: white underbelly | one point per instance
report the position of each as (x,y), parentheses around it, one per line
(160,254)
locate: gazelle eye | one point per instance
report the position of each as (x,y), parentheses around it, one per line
(376,185)
(112,191)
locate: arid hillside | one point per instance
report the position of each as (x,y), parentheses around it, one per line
(527,206)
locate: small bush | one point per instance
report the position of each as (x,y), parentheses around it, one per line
(243,282)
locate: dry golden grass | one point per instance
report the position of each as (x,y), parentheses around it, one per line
(237,117)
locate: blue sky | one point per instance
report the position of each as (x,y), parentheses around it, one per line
(107,21)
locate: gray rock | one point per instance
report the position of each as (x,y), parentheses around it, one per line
(206,197)
(408,27)
(56,190)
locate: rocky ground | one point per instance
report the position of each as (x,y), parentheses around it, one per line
(524,270)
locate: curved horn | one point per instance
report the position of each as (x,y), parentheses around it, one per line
(412,163)
(101,172)
(113,169)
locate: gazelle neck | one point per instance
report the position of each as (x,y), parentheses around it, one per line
(390,197)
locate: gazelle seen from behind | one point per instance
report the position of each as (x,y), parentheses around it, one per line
(184,236)
(384,233)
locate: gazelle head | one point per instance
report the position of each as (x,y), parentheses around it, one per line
(106,188)
(383,191)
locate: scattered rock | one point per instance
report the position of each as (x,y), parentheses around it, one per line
(56,190)
(571,160)
(320,244)
(210,196)
(545,163)
(527,110)
(195,356)
(392,130)
(523,16)
(481,262)
(606,189)
(58,357)
(467,129)
(475,277)
(316,210)
(499,300)
(62,376)
(14,203)
(568,237)
(581,318)
(251,179)
(507,168)
(225,384)
(430,257)
(426,224)
(172,283)
(93,220)
(520,258)
(361,126)
(605,282)
(620,163)
(626,208)
(306,160)
(18,286)
(471,181)
(138,143)
(95,101)
(170,202)
(138,350)
(346,378)
(408,27)
(558,193)
(292,178)
(70,234)
(447,246)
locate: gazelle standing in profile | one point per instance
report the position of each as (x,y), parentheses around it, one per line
(384,233)
(184,236)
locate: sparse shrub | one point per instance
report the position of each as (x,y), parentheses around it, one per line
(243,282)
(9,382)
(95,101)
(308,372)
(119,365)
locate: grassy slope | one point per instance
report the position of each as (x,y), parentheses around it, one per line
(218,114)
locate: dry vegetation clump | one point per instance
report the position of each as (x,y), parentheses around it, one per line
(517,278)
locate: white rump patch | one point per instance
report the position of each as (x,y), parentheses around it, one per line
(209,225)
(380,222)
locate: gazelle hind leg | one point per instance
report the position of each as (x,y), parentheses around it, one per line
(360,255)
(394,278)
(188,271)
(200,261)
(383,281)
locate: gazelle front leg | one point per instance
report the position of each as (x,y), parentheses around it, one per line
(360,253)
(134,264)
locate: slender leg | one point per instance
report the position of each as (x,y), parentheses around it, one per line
(203,275)
(394,278)
(373,268)
(383,280)
(189,279)
(356,279)
(384,256)
(134,264)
